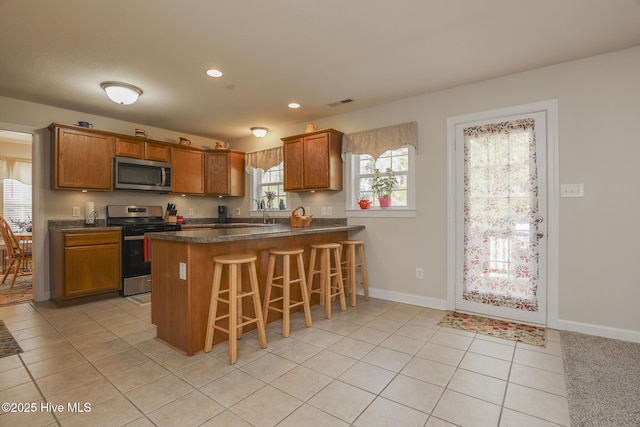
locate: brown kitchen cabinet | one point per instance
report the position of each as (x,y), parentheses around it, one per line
(312,161)
(224,173)
(187,170)
(142,150)
(85,265)
(81,159)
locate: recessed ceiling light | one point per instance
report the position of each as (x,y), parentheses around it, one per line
(294,105)
(212,72)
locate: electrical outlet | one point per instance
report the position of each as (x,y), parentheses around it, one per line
(329,210)
(236,211)
(419,273)
(75,211)
(323,210)
(183,271)
(191,212)
(307,209)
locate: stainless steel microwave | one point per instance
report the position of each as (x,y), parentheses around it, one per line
(143,175)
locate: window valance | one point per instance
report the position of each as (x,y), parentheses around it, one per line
(264,159)
(18,169)
(377,141)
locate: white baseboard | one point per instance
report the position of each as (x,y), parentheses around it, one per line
(437,304)
(600,331)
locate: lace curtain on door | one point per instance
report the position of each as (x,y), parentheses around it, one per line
(500,208)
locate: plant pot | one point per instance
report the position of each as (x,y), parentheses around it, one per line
(385,202)
(364,204)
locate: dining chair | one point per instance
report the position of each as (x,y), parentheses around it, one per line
(14,252)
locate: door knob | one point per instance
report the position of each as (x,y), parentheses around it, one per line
(539,234)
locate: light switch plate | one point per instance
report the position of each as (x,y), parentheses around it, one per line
(572,190)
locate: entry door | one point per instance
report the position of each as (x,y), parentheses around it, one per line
(500,218)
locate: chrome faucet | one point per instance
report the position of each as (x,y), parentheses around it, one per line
(265,214)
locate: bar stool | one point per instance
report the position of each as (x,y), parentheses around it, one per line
(328,290)
(285,285)
(234,301)
(350,264)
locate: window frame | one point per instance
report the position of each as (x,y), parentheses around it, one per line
(256,194)
(26,191)
(352,209)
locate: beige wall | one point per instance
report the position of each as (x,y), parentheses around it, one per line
(597,104)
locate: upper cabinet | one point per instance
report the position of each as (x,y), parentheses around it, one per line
(81,159)
(145,150)
(312,161)
(187,170)
(224,173)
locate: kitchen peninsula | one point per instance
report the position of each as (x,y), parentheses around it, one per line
(182,272)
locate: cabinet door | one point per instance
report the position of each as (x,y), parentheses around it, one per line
(187,171)
(129,148)
(293,167)
(316,161)
(224,173)
(91,269)
(217,180)
(158,152)
(82,160)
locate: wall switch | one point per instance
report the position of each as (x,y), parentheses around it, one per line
(191,212)
(183,271)
(419,273)
(323,210)
(75,211)
(329,210)
(572,190)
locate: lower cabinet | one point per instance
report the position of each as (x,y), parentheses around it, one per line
(85,265)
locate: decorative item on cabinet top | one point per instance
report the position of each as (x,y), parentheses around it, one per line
(184,141)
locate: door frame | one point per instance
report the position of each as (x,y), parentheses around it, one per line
(40,246)
(550,108)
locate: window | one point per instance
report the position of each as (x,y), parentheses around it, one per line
(16,202)
(363,167)
(271,180)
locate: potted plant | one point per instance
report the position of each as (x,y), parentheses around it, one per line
(383,185)
(271,196)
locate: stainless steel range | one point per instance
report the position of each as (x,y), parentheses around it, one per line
(135,222)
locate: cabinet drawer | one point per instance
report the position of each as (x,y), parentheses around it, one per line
(96,238)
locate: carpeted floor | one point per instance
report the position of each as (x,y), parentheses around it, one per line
(21,292)
(8,344)
(603,380)
(496,328)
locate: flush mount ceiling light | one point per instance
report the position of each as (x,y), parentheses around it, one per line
(121,93)
(259,132)
(212,72)
(294,105)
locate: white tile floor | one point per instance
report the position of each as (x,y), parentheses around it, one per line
(379,364)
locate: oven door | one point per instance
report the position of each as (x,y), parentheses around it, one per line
(136,272)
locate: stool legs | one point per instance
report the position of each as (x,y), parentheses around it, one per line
(350,265)
(329,288)
(287,303)
(234,300)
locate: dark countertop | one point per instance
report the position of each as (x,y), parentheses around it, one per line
(258,231)
(78,226)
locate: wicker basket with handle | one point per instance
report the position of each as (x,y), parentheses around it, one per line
(298,220)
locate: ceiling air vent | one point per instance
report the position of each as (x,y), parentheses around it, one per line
(342,101)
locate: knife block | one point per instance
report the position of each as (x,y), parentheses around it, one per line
(170,218)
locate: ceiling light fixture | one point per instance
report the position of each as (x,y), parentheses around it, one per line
(259,132)
(121,93)
(212,72)
(294,105)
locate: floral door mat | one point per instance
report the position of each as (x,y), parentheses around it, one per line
(519,332)
(8,344)
(140,299)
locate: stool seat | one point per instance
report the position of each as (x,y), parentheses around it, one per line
(284,282)
(235,294)
(328,289)
(235,259)
(350,266)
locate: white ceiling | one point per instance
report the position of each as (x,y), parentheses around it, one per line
(277,51)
